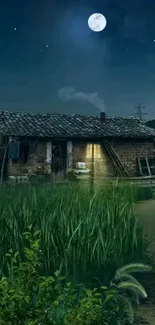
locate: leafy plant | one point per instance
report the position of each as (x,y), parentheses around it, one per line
(28,298)
(114,304)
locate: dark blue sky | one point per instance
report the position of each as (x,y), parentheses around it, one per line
(117,64)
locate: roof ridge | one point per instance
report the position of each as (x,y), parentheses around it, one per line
(66,114)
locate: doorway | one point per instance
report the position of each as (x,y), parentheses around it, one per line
(59,158)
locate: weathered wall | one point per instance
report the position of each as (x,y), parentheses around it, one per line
(36,162)
(101,164)
(128,151)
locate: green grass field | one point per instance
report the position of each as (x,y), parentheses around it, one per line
(83,233)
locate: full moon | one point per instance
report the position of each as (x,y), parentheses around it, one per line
(97,22)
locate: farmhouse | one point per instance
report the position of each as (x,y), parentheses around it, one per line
(58,145)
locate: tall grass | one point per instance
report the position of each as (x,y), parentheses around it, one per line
(84,233)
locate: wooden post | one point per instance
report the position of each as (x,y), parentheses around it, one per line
(92,169)
(69,155)
(3,160)
(49,152)
(49,158)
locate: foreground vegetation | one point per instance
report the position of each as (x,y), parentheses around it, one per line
(27,298)
(84,234)
(71,270)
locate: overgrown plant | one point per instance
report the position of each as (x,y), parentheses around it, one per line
(98,232)
(28,298)
(113,304)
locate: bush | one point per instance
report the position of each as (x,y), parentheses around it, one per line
(28,298)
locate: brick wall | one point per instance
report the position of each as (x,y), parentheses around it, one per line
(36,162)
(102,166)
(128,151)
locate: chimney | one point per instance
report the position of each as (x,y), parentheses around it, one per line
(102,116)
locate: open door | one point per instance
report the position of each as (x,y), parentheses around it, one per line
(59,157)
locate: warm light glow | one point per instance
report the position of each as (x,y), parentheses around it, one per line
(93,148)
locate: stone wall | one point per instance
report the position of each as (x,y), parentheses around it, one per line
(36,161)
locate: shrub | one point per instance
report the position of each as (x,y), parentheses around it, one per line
(110,305)
(28,298)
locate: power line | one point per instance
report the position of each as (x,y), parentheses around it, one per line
(139,108)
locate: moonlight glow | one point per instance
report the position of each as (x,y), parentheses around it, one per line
(97,22)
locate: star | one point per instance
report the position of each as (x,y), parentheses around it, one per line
(46,45)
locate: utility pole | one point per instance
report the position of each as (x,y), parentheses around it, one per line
(139,108)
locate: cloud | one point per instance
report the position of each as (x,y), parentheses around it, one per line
(70,93)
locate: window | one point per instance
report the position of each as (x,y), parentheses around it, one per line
(19,151)
(93,149)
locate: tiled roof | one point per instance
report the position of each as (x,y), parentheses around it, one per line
(61,125)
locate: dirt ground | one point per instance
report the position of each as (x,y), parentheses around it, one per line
(147,313)
(146,212)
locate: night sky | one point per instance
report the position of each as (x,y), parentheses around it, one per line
(50,61)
